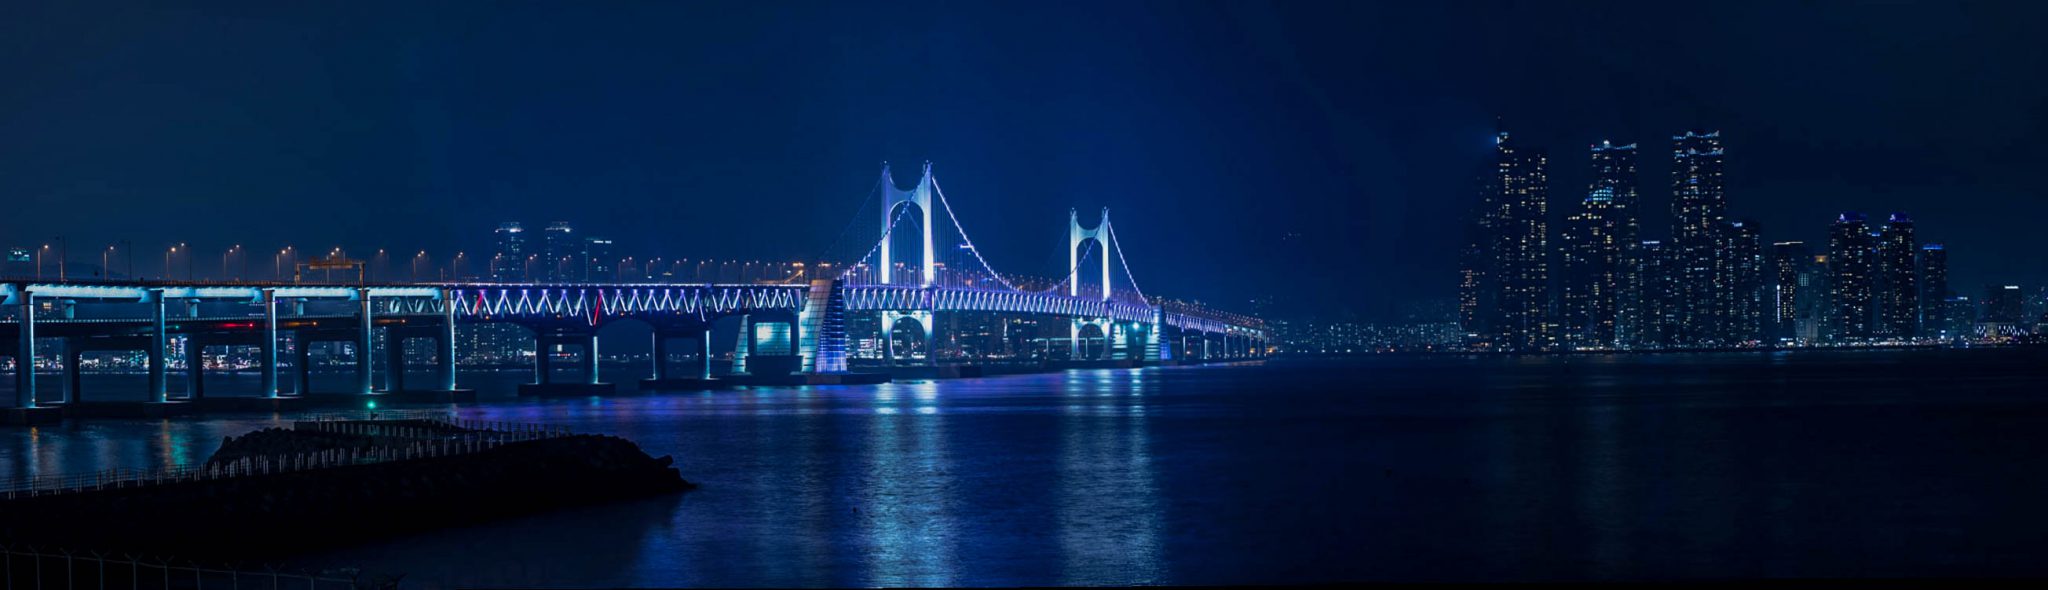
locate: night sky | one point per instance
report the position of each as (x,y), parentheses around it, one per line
(1324,149)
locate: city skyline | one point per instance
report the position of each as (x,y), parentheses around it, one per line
(1336,135)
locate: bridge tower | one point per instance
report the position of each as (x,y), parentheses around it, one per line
(1077,235)
(921,197)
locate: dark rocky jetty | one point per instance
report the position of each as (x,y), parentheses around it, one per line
(274,502)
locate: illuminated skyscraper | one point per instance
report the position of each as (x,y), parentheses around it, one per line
(1850,263)
(1521,247)
(1897,294)
(1699,208)
(1788,295)
(510,258)
(1933,278)
(1611,229)
(559,253)
(598,264)
(1659,301)
(1743,320)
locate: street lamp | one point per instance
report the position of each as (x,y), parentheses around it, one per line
(167,261)
(455,267)
(104,256)
(39,260)
(416,258)
(224,262)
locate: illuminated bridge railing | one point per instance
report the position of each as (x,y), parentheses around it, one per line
(594,303)
(908,298)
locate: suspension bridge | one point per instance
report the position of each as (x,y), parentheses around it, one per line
(916,272)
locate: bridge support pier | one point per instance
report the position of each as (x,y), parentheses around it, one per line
(159,385)
(25,355)
(659,371)
(363,342)
(447,340)
(74,381)
(704,355)
(267,355)
(590,359)
(394,360)
(541,369)
(195,368)
(302,362)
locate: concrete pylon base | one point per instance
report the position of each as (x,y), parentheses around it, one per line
(566,389)
(31,416)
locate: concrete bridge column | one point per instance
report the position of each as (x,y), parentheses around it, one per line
(796,337)
(159,386)
(73,374)
(931,331)
(302,362)
(268,354)
(590,359)
(195,368)
(541,343)
(660,369)
(25,355)
(746,335)
(704,354)
(363,342)
(394,360)
(447,340)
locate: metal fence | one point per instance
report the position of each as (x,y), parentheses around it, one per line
(32,568)
(439,436)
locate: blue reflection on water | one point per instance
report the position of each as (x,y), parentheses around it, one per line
(1433,468)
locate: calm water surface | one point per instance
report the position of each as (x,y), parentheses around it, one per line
(1436,468)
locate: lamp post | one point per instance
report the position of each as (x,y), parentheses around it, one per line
(416,258)
(167,261)
(39,260)
(455,266)
(105,255)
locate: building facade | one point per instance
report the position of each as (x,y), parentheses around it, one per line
(1850,265)
(1897,293)
(1934,294)
(1699,209)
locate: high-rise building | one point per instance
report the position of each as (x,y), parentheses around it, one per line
(1614,177)
(1476,279)
(1850,264)
(1897,294)
(1699,208)
(1743,256)
(508,262)
(559,253)
(598,264)
(1521,247)
(1599,250)
(1933,278)
(1790,275)
(1659,301)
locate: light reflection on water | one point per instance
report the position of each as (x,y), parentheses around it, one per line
(1661,466)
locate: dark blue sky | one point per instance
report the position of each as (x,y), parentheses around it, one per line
(1212,130)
